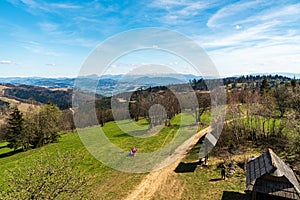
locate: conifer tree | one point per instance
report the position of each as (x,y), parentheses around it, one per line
(15,130)
(265,86)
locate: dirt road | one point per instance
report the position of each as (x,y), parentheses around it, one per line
(154,180)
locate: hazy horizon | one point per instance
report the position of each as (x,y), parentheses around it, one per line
(288,74)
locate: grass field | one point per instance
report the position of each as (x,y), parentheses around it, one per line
(107,183)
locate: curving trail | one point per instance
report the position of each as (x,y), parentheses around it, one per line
(154,180)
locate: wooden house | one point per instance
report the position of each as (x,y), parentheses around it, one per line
(269,178)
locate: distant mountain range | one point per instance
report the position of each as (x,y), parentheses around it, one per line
(40,81)
(106,84)
(113,84)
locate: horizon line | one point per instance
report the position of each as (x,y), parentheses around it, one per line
(227,76)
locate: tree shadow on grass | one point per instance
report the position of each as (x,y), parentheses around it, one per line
(186,167)
(215,179)
(2,147)
(228,195)
(7,154)
(122,135)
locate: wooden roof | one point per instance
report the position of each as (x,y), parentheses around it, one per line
(269,164)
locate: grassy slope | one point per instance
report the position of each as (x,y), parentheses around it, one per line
(105,182)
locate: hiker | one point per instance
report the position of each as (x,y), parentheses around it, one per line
(223,171)
(133,151)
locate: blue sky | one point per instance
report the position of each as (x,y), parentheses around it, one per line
(53,38)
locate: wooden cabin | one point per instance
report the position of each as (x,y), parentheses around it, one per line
(269,178)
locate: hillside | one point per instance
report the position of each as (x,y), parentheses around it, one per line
(37,95)
(180,180)
(28,94)
(262,112)
(104,182)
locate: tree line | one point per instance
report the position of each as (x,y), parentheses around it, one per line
(158,105)
(34,129)
(140,101)
(266,117)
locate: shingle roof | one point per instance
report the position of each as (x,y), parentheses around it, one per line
(270,163)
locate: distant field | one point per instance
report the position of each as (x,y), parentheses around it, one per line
(2,87)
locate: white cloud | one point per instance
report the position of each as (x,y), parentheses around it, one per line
(282,13)
(5,62)
(193,9)
(55,30)
(86,19)
(277,54)
(280,58)
(51,64)
(238,27)
(225,14)
(179,11)
(83,42)
(267,39)
(166,4)
(49,27)
(251,13)
(242,38)
(38,48)
(29,3)
(39,7)
(271,25)
(65,6)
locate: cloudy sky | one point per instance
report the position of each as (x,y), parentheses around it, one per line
(53,38)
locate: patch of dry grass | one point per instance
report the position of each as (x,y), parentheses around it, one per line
(23,107)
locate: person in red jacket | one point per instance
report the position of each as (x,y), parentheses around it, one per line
(133,151)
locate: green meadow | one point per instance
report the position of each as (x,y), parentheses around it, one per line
(104,182)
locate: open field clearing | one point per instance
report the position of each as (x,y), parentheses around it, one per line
(105,182)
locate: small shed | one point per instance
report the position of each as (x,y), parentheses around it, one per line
(269,178)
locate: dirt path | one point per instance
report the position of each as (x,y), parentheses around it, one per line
(154,180)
